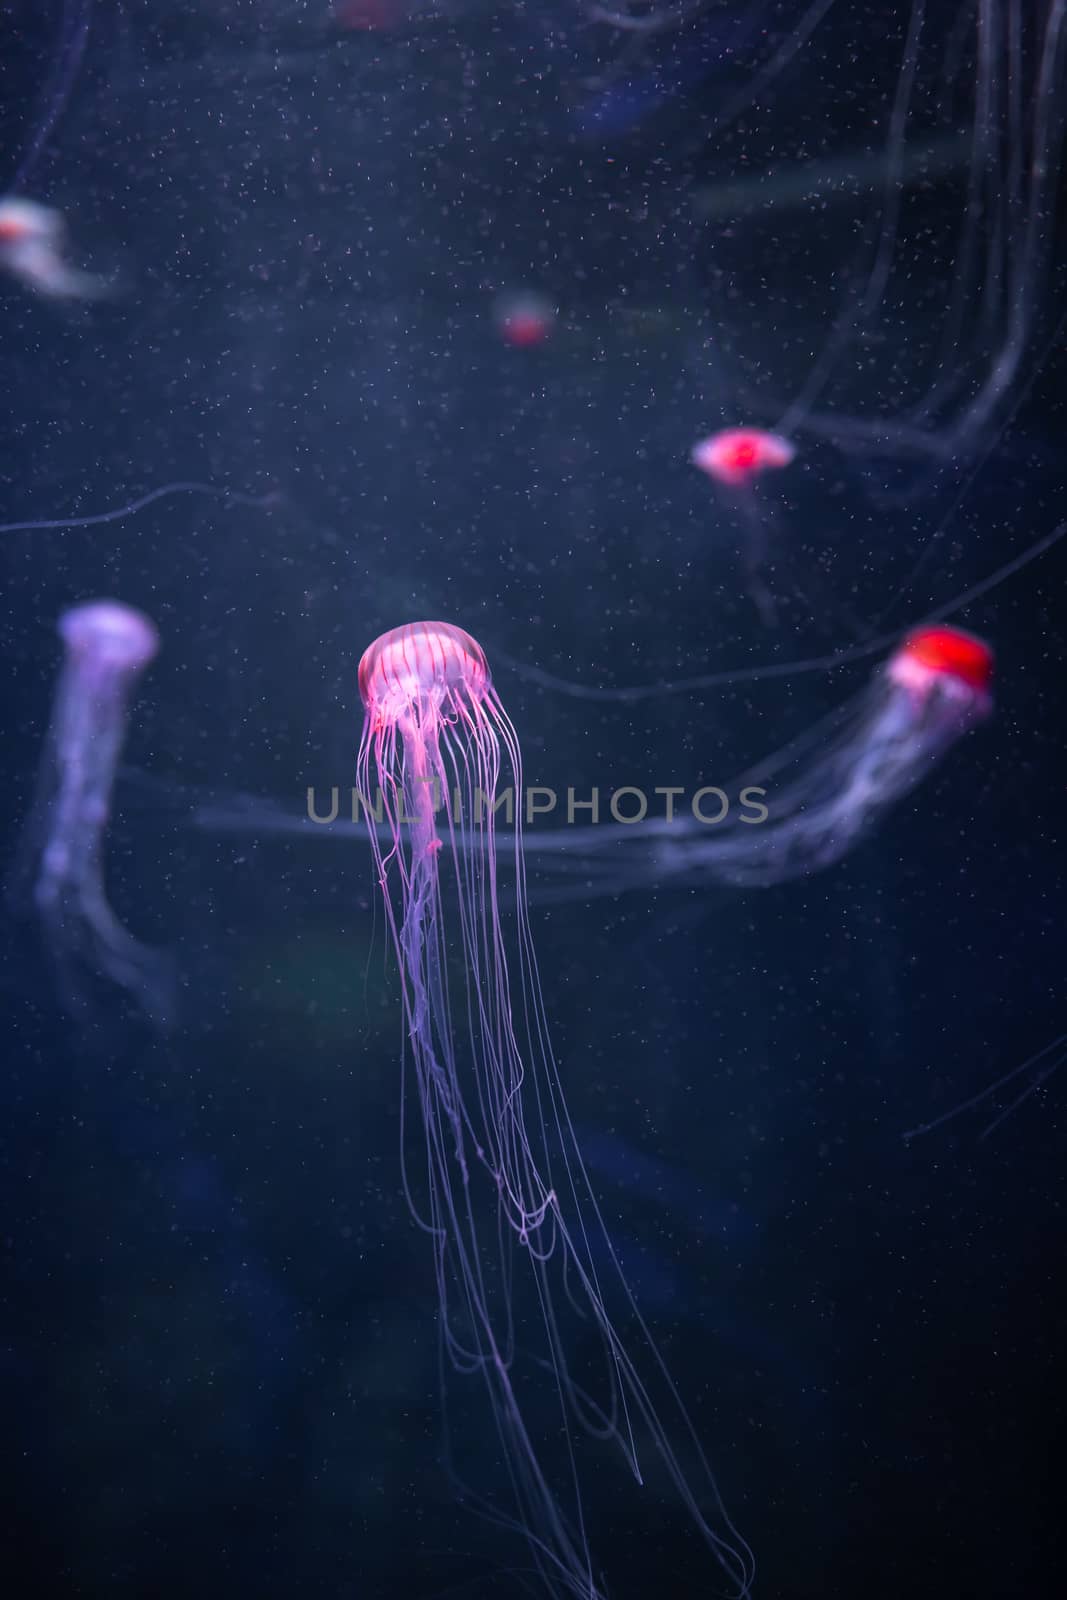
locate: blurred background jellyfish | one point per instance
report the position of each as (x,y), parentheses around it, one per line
(32,244)
(523,318)
(735,459)
(522,1260)
(33,236)
(59,872)
(843,775)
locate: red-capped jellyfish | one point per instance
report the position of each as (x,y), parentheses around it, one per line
(735,459)
(821,795)
(59,874)
(522,1260)
(32,244)
(935,687)
(524,319)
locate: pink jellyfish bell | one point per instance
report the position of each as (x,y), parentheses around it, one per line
(945,659)
(735,458)
(737,455)
(524,319)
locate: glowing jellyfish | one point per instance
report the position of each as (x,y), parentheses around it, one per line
(504,1197)
(823,794)
(60,870)
(524,320)
(735,459)
(97,519)
(738,456)
(32,242)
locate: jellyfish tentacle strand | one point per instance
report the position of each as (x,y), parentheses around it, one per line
(994,324)
(1034,1072)
(73,38)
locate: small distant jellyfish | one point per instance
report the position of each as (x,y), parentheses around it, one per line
(734,459)
(736,456)
(32,240)
(59,876)
(525,319)
(945,661)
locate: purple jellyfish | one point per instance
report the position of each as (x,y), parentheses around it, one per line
(60,871)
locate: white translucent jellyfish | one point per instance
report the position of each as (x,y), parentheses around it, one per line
(32,245)
(59,874)
(524,318)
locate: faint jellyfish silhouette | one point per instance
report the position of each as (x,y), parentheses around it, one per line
(524,319)
(32,240)
(526,1272)
(734,459)
(737,456)
(59,874)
